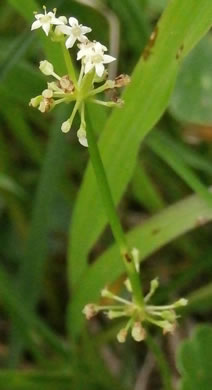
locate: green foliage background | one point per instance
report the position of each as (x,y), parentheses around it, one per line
(56,249)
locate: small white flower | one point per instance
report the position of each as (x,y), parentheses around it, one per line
(93,56)
(76,32)
(46,20)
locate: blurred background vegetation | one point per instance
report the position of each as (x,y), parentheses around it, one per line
(40,175)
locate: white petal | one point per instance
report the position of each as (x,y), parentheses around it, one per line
(51,14)
(65,29)
(99,47)
(73,22)
(38,16)
(108,59)
(70,41)
(80,54)
(85,30)
(99,69)
(63,19)
(36,25)
(46,28)
(82,38)
(88,67)
(56,21)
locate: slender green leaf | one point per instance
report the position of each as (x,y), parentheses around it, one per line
(181,26)
(161,145)
(34,380)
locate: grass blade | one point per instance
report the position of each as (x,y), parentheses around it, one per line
(181,26)
(165,149)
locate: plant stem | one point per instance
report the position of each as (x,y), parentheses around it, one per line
(162,364)
(69,65)
(113,218)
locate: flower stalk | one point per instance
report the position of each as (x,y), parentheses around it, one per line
(113,218)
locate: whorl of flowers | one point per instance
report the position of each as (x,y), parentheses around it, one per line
(65,88)
(136,316)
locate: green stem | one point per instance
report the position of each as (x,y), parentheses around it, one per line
(102,103)
(69,64)
(161,362)
(100,89)
(113,218)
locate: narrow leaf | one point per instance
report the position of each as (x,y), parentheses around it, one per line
(180,28)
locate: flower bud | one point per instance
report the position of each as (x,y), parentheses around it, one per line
(54,87)
(45,105)
(122,80)
(66,126)
(181,302)
(154,284)
(46,68)
(169,315)
(122,335)
(47,93)
(105,293)
(81,134)
(138,332)
(168,327)
(90,310)
(34,102)
(66,84)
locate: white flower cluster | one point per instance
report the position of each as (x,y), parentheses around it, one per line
(91,53)
(67,88)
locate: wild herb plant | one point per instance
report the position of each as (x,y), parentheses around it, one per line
(67,89)
(78,95)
